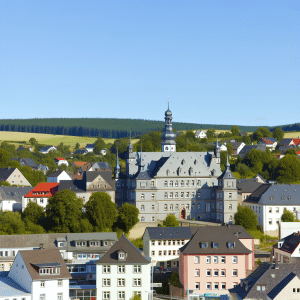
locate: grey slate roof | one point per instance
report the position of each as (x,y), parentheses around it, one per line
(246,149)
(274,280)
(14,193)
(27,162)
(285,142)
(9,288)
(5,173)
(277,194)
(214,234)
(134,255)
(248,185)
(76,186)
(290,243)
(90,176)
(169,233)
(55,173)
(46,148)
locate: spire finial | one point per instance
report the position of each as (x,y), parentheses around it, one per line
(227,163)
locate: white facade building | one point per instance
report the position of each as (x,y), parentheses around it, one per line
(122,272)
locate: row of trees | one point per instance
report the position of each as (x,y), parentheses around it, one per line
(65,212)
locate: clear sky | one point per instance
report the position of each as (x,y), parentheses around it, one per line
(217,62)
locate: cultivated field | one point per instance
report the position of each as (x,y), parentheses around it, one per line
(293,134)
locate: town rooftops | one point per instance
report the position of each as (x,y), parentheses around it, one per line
(41,257)
(134,255)
(27,162)
(43,190)
(277,194)
(290,243)
(267,140)
(5,173)
(296,142)
(248,185)
(79,163)
(14,193)
(286,142)
(273,279)
(169,233)
(215,240)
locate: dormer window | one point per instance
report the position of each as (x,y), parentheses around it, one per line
(215,245)
(121,255)
(230,245)
(81,244)
(204,244)
(47,268)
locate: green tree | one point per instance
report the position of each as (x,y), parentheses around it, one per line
(4,158)
(101,211)
(11,223)
(170,221)
(291,151)
(278,134)
(288,169)
(33,212)
(77,146)
(4,183)
(64,212)
(33,141)
(229,148)
(99,145)
(128,215)
(287,216)
(246,217)
(136,297)
(210,133)
(235,130)
(32,228)
(261,132)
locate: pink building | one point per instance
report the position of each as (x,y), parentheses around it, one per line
(216,259)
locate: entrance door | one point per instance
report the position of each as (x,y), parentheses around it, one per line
(182,215)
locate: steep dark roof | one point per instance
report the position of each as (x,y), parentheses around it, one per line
(5,173)
(285,142)
(55,173)
(277,194)
(248,186)
(14,193)
(291,242)
(169,233)
(214,234)
(273,279)
(142,175)
(134,255)
(76,186)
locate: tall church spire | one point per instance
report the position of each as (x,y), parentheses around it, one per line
(168,136)
(117,167)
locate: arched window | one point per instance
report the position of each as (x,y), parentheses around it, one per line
(165,206)
(142,207)
(182,183)
(171,207)
(152,196)
(171,183)
(142,196)
(171,195)
(198,182)
(142,219)
(176,183)
(166,195)
(153,219)
(176,195)
(166,183)
(230,206)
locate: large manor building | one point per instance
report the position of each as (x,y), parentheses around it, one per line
(186,184)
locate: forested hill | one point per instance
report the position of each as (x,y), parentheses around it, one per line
(107,128)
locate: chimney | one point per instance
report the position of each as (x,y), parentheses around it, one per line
(276,266)
(41,246)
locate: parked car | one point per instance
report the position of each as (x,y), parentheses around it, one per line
(166,271)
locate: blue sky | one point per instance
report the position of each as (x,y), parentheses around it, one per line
(217,62)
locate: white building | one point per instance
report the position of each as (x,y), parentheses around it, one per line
(47,149)
(41,273)
(269,201)
(122,272)
(162,244)
(58,175)
(61,161)
(200,134)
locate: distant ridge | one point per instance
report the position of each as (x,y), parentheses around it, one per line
(110,128)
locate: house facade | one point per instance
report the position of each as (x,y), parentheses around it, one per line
(122,272)
(271,143)
(57,176)
(215,259)
(185,184)
(269,202)
(13,176)
(200,134)
(47,149)
(61,161)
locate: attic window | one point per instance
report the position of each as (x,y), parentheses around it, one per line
(289,198)
(215,245)
(282,198)
(230,245)
(272,198)
(204,244)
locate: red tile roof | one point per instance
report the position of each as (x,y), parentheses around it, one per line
(43,190)
(296,141)
(79,163)
(59,158)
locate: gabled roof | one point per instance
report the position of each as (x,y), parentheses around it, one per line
(274,280)
(276,194)
(75,186)
(81,151)
(49,188)
(214,234)
(55,173)
(285,142)
(248,185)
(296,141)
(14,193)
(46,148)
(79,163)
(60,158)
(267,140)
(235,145)
(5,173)
(291,242)
(169,233)
(33,258)
(90,176)
(134,255)
(27,162)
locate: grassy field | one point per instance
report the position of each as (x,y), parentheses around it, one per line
(18,138)
(293,134)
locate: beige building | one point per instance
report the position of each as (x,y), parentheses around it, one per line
(13,176)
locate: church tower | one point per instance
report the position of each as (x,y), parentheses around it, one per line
(168,136)
(117,167)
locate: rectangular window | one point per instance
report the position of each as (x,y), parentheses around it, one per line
(196,259)
(223,260)
(216,285)
(234,259)
(208,273)
(121,295)
(106,269)
(223,273)
(42,283)
(137,269)
(208,285)
(137,282)
(121,281)
(106,295)
(216,259)
(216,273)
(42,297)
(160,253)
(223,286)
(152,253)
(270,221)
(208,259)
(197,272)
(59,296)
(197,285)
(234,273)
(121,269)
(59,283)
(106,282)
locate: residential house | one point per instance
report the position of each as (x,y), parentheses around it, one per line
(271,143)
(223,147)
(47,149)
(43,168)
(287,250)
(29,162)
(200,134)
(247,148)
(81,152)
(162,244)
(89,147)
(40,194)
(58,175)
(287,228)
(270,282)
(237,147)
(215,259)
(11,197)
(78,164)
(21,148)
(269,201)
(42,273)
(246,187)
(13,176)
(122,272)
(95,166)
(61,161)
(297,142)
(286,143)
